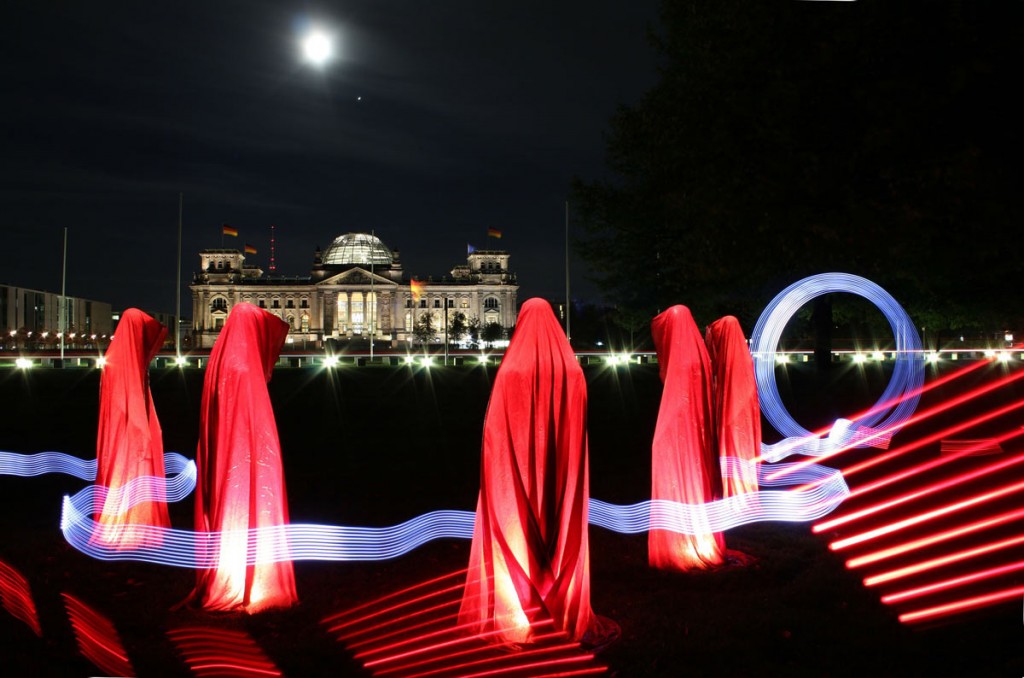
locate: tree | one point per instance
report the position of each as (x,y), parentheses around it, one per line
(492,332)
(457,327)
(786,139)
(423,328)
(473,329)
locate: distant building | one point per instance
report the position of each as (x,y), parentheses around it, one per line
(31,318)
(356,288)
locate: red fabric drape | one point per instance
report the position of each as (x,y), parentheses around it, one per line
(129,441)
(529,559)
(240,482)
(737,414)
(684,461)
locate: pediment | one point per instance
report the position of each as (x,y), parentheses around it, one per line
(357,276)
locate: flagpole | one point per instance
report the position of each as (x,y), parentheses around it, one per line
(373,309)
(568,304)
(63,299)
(177,289)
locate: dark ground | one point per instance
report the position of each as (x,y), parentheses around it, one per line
(374,446)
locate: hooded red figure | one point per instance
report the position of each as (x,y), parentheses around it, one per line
(684,461)
(737,413)
(240,483)
(529,561)
(129,441)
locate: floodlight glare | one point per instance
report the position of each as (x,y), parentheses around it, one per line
(181,360)
(101,361)
(23,363)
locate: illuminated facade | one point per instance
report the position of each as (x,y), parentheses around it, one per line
(356,289)
(30,313)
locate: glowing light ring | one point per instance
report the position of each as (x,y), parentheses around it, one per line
(903,388)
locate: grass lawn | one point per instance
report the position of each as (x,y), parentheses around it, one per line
(375,446)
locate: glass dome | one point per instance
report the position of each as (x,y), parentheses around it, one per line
(357,248)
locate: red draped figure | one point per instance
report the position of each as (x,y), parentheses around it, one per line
(529,561)
(129,442)
(240,484)
(684,460)
(737,414)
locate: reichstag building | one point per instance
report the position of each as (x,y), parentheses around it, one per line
(356,289)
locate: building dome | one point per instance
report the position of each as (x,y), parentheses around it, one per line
(357,249)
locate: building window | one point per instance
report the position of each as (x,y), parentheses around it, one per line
(490,303)
(304,303)
(263,303)
(219,304)
(408,303)
(423,303)
(437,303)
(290,303)
(276,303)
(305,322)
(450,302)
(464,303)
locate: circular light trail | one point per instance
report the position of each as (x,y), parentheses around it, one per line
(900,396)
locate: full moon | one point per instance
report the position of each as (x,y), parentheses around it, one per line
(317,47)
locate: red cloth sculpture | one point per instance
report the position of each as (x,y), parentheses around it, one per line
(737,413)
(529,560)
(240,483)
(684,462)
(129,441)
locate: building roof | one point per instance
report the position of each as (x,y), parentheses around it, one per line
(359,249)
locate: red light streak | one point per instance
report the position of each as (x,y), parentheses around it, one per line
(954,582)
(923,566)
(944,433)
(926,516)
(414,633)
(963,605)
(16,597)
(880,407)
(97,638)
(461,640)
(917,494)
(210,651)
(390,596)
(480,649)
(934,539)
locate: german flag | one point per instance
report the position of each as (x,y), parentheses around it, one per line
(249,249)
(416,287)
(493,233)
(228,230)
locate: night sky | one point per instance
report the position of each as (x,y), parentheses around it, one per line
(436,121)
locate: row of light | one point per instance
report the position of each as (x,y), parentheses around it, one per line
(59,335)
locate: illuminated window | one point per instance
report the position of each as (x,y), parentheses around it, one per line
(305,322)
(219,304)
(357,309)
(464,303)
(491,303)
(342,310)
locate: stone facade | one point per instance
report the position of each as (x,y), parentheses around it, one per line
(356,289)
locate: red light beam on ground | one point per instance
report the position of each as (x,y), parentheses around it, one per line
(952,582)
(16,597)
(936,538)
(916,494)
(964,605)
(211,651)
(925,516)
(97,638)
(941,561)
